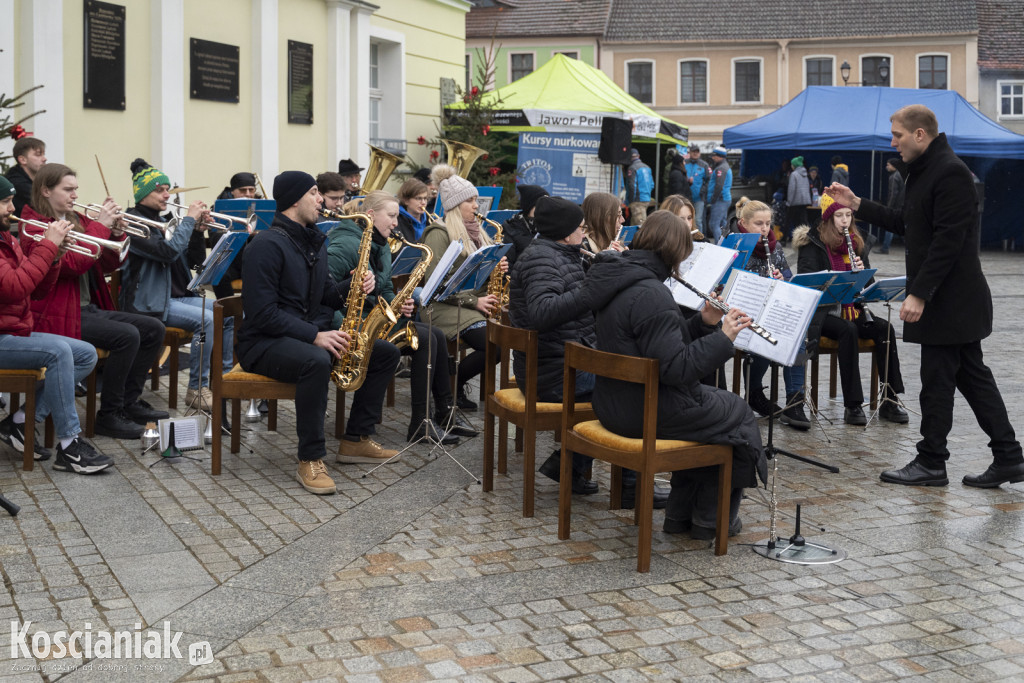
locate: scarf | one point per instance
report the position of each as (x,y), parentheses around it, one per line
(759,250)
(839,259)
(473,228)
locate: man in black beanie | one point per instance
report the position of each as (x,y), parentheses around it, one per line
(549,295)
(289,299)
(519,229)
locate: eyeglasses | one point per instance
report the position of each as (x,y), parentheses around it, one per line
(334,198)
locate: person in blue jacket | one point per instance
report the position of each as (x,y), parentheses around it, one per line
(719,194)
(698,173)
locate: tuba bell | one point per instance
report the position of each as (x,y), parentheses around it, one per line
(462,156)
(382,164)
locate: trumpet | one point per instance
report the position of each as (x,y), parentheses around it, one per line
(79,239)
(136,226)
(249,221)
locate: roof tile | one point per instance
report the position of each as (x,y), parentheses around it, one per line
(1001,35)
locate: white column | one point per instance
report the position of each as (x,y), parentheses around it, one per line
(359,105)
(7,33)
(265,119)
(41,51)
(168,93)
(338,81)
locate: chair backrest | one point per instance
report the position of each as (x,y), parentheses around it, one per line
(614,366)
(228,307)
(502,339)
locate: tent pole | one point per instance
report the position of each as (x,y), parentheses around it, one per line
(657,172)
(878,230)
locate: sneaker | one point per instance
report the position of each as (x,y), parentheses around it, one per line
(80,390)
(793,415)
(117,425)
(404,369)
(364,450)
(761,405)
(463,401)
(313,476)
(200,399)
(14,436)
(703,533)
(141,412)
(80,457)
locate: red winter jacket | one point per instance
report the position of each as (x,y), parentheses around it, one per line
(22,277)
(61,311)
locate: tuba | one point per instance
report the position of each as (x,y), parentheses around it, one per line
(462,156)
(382,164)
(407,335)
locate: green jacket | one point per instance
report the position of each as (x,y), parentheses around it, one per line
(445,314)
(343,255)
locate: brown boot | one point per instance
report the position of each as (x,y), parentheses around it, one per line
(364,450)
(314,478)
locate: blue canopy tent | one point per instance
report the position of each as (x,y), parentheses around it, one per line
(854,123)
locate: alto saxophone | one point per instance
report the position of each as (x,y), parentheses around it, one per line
(349,371)
(499,283)
(407,335)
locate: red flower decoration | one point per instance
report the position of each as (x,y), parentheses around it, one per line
(421,140)
(486,156)
(474,90)
(435,155)
(494,170)
(465,98)
(485,130)
(17,132)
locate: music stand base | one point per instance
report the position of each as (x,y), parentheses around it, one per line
(806,554)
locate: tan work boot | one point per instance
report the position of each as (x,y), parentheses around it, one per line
(200,399)
(314,478)
(364,450)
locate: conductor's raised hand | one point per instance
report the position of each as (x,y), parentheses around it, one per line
(334,341)
(844,195)
(734,322)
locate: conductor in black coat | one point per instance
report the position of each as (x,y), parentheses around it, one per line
(948,309)
(643,320)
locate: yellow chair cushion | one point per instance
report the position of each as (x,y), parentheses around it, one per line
(39,374)
(513,399)
(827,344)
(237,374)
(594,431)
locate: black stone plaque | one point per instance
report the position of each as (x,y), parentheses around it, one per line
(213,71)
(300,82)
(103,60)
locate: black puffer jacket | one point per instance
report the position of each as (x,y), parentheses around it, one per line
(518,231)
(548,295)
(642,319)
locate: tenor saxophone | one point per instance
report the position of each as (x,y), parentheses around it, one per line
(499,283)
(349,371)
(407,335)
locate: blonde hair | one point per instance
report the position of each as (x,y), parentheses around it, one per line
(746,209)
(377,199)
(914,116)
(600,213)
(457,231)
(675,202)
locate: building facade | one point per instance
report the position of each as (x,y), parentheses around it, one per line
(1001,62)
(372,72)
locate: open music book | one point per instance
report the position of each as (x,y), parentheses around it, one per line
(188,433)
(443,265)
(703,269)
(782,308)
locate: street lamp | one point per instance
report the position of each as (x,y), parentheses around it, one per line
(845,71)
(882,71)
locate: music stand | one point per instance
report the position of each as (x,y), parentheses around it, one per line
(886,291)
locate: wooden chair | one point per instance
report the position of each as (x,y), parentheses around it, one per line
(830,348)
(17,382)
(239,384)
(174,337)
(648,455)
(509,404)
(90,395)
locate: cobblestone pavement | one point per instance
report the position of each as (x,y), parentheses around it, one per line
(413,573)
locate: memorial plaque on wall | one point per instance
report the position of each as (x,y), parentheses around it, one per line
(213,71)
(300,82)
(103,60)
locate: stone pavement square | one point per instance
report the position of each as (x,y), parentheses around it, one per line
(412,573)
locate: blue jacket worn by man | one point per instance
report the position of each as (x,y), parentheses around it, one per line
(639,182)
(700,173)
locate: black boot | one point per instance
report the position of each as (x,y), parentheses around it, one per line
(793,415)
(450,419)
(463,401)
(551,468)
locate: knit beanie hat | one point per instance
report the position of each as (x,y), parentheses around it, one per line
(557,218)
(829,206)
(289,188)
(456,190)
(797,162)
(719,152)
(145,179)
(528,196)
(6,188)
(243,179)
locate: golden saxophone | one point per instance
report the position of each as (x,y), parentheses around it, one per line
(349,371)
(407,335)
(499,283)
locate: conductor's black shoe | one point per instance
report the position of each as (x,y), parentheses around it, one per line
(141,412)
(676,526)
(914,473)
(427,428)
(794,415)
(581,486)
(761,405)
(454,423)
(996,475)
(703,533)
(463,401)
(855,416)
(660,497)
(893,412)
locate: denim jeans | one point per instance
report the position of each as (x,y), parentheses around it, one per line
(66,360)
(886,239)
(698,215)
(187,313)
(719,214)
(792,376)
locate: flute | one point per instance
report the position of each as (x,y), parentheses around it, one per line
(724,308)
(849,248)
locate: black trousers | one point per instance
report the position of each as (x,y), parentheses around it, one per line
(134,341)
(944,369)
(846,333)
(435,351)
(309,367)
(473,364)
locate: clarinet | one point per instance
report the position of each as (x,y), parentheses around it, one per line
(849,248)
(724,308)
(769,268)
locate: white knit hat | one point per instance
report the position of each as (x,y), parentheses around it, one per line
(456,190)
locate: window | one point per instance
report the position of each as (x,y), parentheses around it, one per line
(1011,99)
(818,70)
(375,92)
(932,72)
(385,108)
(374,65)
(747,80)
(640,81)
(693,82)
(521,65)
(871,71)
(571,54)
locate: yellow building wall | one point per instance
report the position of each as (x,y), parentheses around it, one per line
(304,146)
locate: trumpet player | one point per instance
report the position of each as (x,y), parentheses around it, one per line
(342,256)
(155,280)
(66,360)
(80,305)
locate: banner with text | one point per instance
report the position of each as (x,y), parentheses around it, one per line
(564,164)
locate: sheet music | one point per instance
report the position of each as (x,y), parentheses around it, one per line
(703,269)
(784,309)
(188,436)
(444,264)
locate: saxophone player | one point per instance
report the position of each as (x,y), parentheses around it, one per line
(342,256)
(289,298)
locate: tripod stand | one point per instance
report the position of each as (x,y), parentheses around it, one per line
(885,392)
